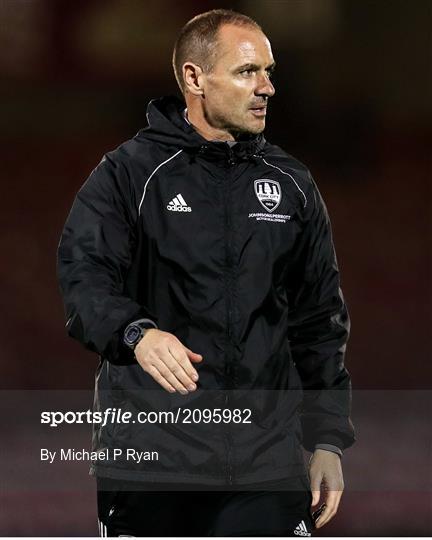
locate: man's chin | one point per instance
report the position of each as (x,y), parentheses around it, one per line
(250,129)
(258,129)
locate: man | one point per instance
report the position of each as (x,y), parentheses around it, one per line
(198,261)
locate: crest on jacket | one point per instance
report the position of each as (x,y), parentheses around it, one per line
(268,193)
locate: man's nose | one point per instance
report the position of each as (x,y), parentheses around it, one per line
(265,86)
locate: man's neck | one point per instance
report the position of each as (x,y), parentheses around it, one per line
(209,133)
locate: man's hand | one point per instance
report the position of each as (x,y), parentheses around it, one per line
(325,467)
(168,361)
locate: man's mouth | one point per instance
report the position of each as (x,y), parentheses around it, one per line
(259,111)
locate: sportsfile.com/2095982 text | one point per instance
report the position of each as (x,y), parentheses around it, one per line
(179,416)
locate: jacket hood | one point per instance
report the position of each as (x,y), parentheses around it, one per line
(167,125)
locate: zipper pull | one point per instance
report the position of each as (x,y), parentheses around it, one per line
(231,160)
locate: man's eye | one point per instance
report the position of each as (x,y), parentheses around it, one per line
(248,71)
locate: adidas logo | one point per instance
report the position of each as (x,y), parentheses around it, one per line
(301,530)
(178,204)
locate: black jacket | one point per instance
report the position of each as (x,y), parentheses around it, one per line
(230,249)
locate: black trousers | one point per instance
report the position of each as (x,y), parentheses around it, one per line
(280,508)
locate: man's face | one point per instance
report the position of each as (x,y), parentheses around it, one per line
(237,89)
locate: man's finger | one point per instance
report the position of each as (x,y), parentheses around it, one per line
(315,482)
(180,353)
(171,371)
(157,376)
(316,493)
(195,357)
(325,517)
(179,364)
(332,504)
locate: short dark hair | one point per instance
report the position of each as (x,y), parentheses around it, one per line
(197,41)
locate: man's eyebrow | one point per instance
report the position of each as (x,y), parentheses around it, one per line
(255,66)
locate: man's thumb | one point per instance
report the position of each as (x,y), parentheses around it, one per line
(316,493)
(195,357)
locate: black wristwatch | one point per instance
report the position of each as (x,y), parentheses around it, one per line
(135,331)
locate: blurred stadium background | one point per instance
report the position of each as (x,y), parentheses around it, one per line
(353,101)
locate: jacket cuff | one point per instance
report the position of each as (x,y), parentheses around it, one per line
(330,448)
(146,323)
(326,438)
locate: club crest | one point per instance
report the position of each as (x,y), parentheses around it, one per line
(268,193)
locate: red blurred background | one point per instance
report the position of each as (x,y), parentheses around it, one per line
(353,101)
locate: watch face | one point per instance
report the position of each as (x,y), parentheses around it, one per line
(132,334)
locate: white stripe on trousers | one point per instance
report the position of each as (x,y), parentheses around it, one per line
(102,529)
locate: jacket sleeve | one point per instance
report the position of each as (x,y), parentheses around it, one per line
(93,257)
(319,327)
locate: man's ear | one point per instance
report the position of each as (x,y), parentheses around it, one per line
(193,77)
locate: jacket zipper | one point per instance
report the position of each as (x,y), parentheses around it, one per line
(229,309)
